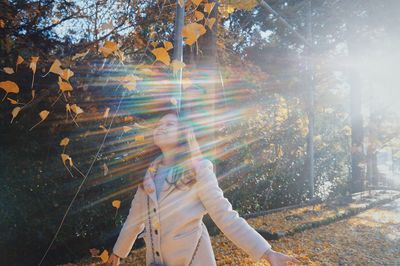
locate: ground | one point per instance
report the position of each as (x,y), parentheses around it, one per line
(371,237)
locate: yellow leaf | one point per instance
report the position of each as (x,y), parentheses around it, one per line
(208,7)
(120,55)
(65,157)
(76,109)
(139,137)
(19,60)
(226,9)
(15,112)
(33,63)
(129,82)
(8,70)
(80,55)
(12,101)
(43,114)
(104,256)
(168,45)
(116,204)
(68,107)
(192,32)
(66,74)
(162,55)
(210,22)
(9,87)
(106,112)
(199,15)
(126,129)
(64,142)
(154,44)
(2,24)
(196,2)
(108,48)
(56,67)
(64,86)
(177,65)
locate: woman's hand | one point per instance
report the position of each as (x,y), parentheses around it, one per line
(114,260)
(277,259)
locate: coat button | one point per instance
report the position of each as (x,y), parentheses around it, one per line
(155,231)
(154,209)
(158,254)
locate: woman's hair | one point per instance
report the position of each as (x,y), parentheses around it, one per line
(184,174)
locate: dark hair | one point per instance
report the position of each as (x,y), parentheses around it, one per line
(184,175)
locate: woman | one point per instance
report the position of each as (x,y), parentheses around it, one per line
(179,188)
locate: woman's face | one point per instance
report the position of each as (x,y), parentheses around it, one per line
(166,131)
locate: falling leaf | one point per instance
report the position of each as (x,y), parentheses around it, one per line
(104,256)
(116,204)
(64,142)
(2,24)
(106,112)
(105,169)
(126,129)
(20,60)
(80,55)
(226,9)
(192,32)
(64,86)
(8,70)
(196,2)
(129,82)
(181,3)
(199,15)
(208,7)
(177,65)
(168,45)
(120,55)
(173,101)
(32,66)
(33,63)
(56,67)
(76,109)
(108,48)
(9,87)
(210,22)
(43,115)
(15,112)
(66,74)
(154,44)
(162,55)
(65,157)
(103,127)
(12,101)
(139,137)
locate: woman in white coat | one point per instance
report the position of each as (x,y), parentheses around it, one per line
(175,234)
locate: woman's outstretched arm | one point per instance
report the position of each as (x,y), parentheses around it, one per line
(228,220)
(133,225)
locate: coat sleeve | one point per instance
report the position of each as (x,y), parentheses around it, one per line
(228,220)
(133,225)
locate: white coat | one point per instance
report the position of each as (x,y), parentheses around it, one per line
(177,217)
